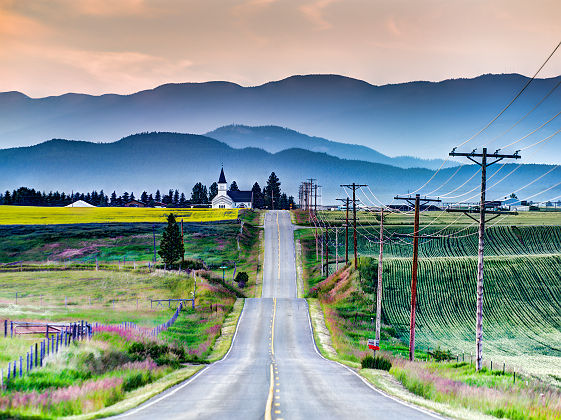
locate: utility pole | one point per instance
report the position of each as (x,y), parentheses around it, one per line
(346,229)
(336,249)
(182,241)
(354,186)
(417,205)
(496,157)
(154,233)
(379,289)
(326,252)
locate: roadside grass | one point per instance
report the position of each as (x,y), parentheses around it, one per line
(95,374)
(31,215)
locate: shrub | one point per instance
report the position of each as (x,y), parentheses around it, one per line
(441,355)
(378,362)
(242,278)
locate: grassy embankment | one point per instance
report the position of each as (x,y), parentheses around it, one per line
(91,375)
(522,326)
(112,371)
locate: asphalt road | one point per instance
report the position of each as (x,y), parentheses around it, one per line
(273,369)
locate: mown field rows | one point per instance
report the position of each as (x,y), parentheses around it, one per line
(500,240)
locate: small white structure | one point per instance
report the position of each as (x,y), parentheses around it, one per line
(231,199)
(79,203)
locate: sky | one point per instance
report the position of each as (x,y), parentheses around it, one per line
(50,47)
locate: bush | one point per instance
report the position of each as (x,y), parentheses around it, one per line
(162,354)
(378,362)
(242,278)
(441,355)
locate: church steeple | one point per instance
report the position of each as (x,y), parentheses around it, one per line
(222,178)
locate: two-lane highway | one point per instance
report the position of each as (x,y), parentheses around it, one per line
(273,369)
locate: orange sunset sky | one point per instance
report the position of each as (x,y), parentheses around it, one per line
(49,47)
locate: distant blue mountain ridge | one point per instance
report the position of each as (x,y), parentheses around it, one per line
(420,119)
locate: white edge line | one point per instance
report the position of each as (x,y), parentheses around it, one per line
(188,381)
(407,404)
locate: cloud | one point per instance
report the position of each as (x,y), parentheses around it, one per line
(314,13)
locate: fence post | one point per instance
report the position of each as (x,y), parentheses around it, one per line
(47,331)
(36,354)
(11,329)
(20,366)
(5,328)
(16,298)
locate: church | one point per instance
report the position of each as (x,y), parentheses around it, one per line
(231,199)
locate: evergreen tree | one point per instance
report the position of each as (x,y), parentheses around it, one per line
(176,197)
(125,198)
(132,197)
(272,191)
(7,197)
(158,196)
(257,196)
(213,191)
(234,186)
(291,204)
(144,197)
(199,194)
(283,202)
(113,201)
(182,201)
(171,246)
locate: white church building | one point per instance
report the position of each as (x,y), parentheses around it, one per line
(231,199)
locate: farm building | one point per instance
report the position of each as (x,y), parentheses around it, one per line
(135,203)
(79,203)
(231,199)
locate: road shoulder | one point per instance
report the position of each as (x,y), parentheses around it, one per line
(382,381)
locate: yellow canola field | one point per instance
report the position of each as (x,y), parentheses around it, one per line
(29,215)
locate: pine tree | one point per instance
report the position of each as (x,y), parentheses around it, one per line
(234,186)
(144,197)
(272,191)
(113,201)
(171,246)
(182,200)
(257,196)
(213,191)
(158,196)
(126,197)
(176,197)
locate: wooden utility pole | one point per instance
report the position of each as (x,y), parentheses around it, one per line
(326,252)
(354,186)
(183,242)
(482,211)
(336,249)
(346,228)
(379,288)
(417,205)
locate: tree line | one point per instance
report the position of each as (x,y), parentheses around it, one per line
(269,196)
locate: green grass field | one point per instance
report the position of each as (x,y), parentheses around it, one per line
(522,307)
(522,325)
(29,215)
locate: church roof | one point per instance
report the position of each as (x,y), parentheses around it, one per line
(222,179)
(240,196)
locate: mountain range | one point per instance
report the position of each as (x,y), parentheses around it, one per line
(421,119)
(151,161)
(275,139)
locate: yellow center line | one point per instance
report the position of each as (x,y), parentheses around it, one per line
(269,398)
(278,235)
(273,328)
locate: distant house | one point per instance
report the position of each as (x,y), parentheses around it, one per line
(79,203)
(231,199)
(135,203)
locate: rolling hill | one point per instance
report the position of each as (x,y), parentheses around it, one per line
(275,139)
(171,160)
